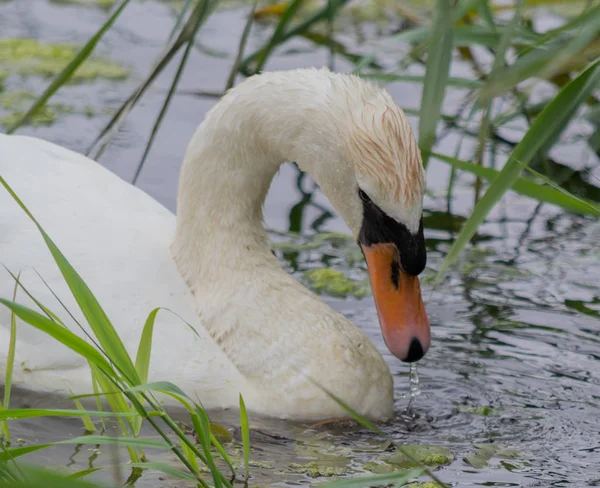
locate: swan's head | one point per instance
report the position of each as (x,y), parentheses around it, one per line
(378,189)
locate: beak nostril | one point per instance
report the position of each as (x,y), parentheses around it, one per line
(415,351)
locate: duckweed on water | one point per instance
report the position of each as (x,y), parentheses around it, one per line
(427,484)
(14,104)
(89,3)
(313,470)
(28,57)
(428,455)
(485,452)
(335,283)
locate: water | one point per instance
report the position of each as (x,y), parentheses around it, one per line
(415,389)
(511,384)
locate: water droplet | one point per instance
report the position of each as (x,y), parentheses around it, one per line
(415,387)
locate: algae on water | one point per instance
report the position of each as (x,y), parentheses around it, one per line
(428,455)
(336,283)
(14,104)
(28,57)
(314,470)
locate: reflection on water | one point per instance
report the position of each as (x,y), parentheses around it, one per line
(511,384)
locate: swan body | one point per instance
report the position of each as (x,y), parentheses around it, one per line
(257,331)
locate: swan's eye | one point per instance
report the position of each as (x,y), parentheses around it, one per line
(363,196)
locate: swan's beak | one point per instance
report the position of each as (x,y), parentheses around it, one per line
(402,316)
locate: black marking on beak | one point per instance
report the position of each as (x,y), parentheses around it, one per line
(379,228)
(395,274)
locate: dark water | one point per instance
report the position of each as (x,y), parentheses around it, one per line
(514,368)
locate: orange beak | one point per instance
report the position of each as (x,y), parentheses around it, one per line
(402,316)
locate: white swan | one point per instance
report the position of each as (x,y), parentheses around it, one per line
(262,333)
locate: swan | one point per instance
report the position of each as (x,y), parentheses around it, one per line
(259,332)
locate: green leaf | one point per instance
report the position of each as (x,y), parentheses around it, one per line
(88,424)
(455,82)
(36,477)
(527,187)
(10,363)
(467,36)
(277,35)
(166,469)
(101,440)
(71,68)
(29,413)
(202,425)
(552,119)
(235,68)
(439,56)
(167,388)
(396,479)
(59,333)
(91,309)
(142,361)
(547,59)
(83,473)
(198,16)
(172,89)
(302,27)
(9,454)
(245,427)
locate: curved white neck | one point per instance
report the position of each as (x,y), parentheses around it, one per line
(231,161)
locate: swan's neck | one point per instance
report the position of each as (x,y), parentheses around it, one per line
(229,166)
(219,214)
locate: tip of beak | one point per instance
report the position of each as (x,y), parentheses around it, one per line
(415,351)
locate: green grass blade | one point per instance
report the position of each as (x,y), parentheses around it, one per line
(497,66)
(278,34)
(548,59)
(88,424)
(555,195)
(10,454)
(486,13)
(469,35)
(64,336)
(65,75)
(171,92)
(202,426)
(223,453)
(321,14)
(166,469)
(83,473)
(142,360)
(51,315)
(353,413)
(102,440)
(199,14)
(235,68)
(89,305)
(439,56)
(592,207)
(392,479)
(168,389)
(467,83)
(552,119)
(115,398)
(191,457)
(245,427)
(29,413)
(36,477)
(372,427)
(10,363)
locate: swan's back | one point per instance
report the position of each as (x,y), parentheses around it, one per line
(118,238)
